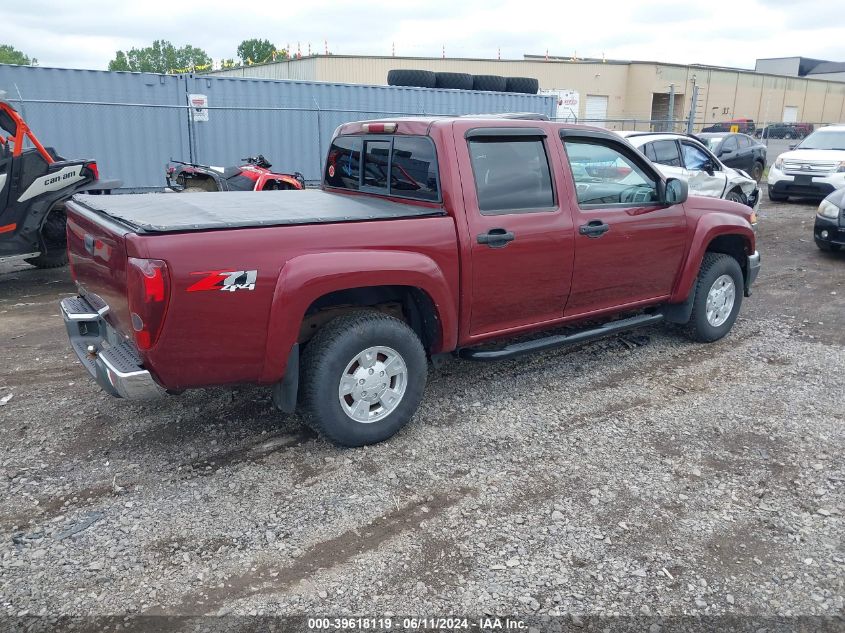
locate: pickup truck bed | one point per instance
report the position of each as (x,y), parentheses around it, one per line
(170,213)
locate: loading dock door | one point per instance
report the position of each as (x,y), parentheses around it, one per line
(790,114)
(595,108)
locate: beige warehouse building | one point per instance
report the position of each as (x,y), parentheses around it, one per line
(622,94)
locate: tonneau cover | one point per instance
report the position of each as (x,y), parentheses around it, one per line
(173,212)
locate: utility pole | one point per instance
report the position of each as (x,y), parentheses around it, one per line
(692,106)
(670,124)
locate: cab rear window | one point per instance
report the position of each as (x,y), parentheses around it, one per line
(402,166)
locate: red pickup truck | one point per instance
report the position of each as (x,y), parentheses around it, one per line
(430,236)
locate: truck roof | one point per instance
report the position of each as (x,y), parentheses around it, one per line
(180,212)
(423,124)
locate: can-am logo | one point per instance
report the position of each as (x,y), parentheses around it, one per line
(226,280)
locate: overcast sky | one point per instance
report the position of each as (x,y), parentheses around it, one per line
(86,34)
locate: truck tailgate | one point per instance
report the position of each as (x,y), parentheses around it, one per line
(97,253)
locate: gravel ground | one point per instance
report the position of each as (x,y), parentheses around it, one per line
(641,475)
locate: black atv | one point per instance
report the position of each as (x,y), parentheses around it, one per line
(35,183)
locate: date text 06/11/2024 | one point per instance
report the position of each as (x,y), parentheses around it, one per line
(416,623)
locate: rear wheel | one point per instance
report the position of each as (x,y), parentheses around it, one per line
(788,135)
(54,237)
(757,171)
(718,297)
(363,377)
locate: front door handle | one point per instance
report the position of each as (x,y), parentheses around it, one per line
(496,238)
(594,228)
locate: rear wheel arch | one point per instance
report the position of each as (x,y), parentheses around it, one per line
(410,304)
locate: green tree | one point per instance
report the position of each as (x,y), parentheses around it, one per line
(160,57)
(255,51)
(11,55)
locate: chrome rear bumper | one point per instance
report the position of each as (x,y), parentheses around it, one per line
(111,360)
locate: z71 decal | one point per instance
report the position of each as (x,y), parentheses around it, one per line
(230,280)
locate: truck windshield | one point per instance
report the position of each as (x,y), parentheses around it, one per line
(824,139)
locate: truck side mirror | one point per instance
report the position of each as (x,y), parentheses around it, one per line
(676,191)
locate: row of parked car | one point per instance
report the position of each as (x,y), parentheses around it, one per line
(730,166)
(784,129)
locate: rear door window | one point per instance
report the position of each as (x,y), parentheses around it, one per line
(666,153)
(511,175)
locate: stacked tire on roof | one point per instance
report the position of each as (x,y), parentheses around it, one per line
(462,81)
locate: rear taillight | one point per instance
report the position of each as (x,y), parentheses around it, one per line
(95,171)
(148,287)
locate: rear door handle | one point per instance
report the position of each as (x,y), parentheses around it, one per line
(496,238)
(594,228)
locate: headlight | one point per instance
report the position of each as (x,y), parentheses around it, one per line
(828,210)
(778,163)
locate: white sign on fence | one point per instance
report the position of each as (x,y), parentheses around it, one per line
(568,102)
(199,107)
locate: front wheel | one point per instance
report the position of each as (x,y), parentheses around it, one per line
(718,297)
(735,196)
(363,377)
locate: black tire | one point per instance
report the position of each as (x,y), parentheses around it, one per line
(827,247)
(776,197)
(454,81)
(54,236)
(491,83)
(757,171)
(788,135)
(713,266)
(523,85)
(735,196)
(412,78)
(326,358)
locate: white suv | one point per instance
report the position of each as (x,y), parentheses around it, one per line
(683,156)
(813,169)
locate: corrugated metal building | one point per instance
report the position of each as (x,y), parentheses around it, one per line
(134,123)
(612,90)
